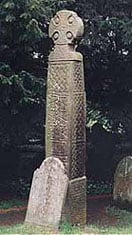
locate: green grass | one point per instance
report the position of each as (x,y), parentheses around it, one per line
(21,229)
(124,217)
(123,227)
(66,229)
(11,203)
(124,223)
(25,230)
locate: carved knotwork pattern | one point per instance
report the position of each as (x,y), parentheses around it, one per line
(57,128)
(57,123)
(78,160)
(78,137)
(78,83)
(66,116)
(78,123)
(57,106)
(58,81)
(57,113)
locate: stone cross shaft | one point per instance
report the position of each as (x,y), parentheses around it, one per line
(65,114)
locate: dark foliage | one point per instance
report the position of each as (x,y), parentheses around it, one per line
(24,47)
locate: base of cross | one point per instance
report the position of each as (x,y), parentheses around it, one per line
(54,199)
(75,207)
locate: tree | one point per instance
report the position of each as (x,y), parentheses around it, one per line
(106,45)
(24,47)
(107,49)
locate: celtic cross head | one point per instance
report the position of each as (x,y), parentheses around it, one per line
(66,28)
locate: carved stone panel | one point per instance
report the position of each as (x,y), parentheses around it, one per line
(78,77)
(75,208)
(66,116)
(57,80)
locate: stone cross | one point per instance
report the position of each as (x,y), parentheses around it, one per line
(58,191)
(65,113)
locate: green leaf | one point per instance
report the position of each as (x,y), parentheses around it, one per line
(9,5)
(10,18)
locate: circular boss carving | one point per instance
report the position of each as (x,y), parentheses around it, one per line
(69,35)
(56,19)
(56,35)
(70,19)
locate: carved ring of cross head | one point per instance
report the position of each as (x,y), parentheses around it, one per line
(66,28)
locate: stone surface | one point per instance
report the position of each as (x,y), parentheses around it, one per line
(66,27)
(66,102)
(65,131)
(47,195)
(122,192)
(75,208)
(66,110)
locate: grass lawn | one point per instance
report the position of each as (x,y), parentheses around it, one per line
(66,229)
(123,225)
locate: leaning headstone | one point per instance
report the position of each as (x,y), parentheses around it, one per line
(66,110)
(47,195)
(122,192)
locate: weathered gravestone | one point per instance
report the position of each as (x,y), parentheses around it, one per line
(47,194)
(65,129)
(122,192)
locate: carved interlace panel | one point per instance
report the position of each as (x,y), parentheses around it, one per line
(57,112)
(78,80)
(77,166)
(78,160)
(58,82)
(78,114)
